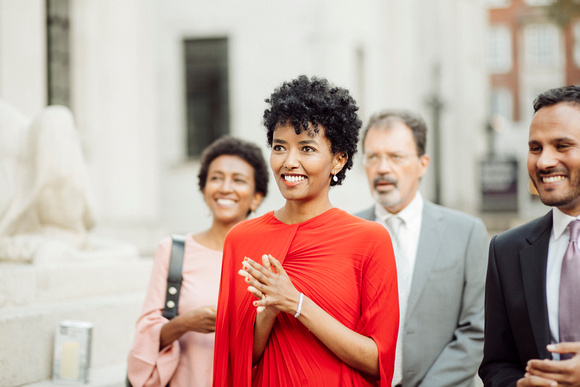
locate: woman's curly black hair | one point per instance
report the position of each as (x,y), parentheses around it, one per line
(228,145)
(303,101)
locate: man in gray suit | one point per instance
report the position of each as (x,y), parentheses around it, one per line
(441,259)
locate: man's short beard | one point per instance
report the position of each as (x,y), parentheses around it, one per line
(557,202)
(386,199)
(561,200)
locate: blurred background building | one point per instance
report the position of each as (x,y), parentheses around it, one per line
(533,46)
(151,83)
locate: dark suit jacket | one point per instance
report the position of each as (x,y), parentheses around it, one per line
(516,311)
(443,331)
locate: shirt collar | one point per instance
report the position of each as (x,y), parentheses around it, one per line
(560,221)
(406,214)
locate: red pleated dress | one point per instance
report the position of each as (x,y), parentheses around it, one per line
(344,264)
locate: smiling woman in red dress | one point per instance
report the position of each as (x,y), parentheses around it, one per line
(308,293)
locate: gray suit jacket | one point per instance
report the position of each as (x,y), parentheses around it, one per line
(443,330)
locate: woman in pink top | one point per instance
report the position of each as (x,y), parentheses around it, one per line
(233,179)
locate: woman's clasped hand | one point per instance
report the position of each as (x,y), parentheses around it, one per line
(270,284)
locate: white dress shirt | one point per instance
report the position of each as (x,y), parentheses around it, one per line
(405,238)
(408,236)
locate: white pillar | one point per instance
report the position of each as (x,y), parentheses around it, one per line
(23,54)
(113,90)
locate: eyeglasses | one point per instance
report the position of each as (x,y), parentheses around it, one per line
(373,159)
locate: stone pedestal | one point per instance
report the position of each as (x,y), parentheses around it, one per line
(107,290)
(52,268)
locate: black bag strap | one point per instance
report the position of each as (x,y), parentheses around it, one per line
(174,276)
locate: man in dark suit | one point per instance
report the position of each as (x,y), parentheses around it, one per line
(532,300)
(441,259)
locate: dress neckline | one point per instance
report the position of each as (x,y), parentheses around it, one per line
(201,246)
(323,217)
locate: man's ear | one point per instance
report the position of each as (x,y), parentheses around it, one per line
(424,163)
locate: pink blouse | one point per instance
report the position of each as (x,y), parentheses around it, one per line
(189,360)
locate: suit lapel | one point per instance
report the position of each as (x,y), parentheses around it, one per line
(368,214)
(430,238)
(533,260)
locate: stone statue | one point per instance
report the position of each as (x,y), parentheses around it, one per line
(46,204)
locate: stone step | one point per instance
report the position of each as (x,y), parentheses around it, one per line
(108,376)
(23,284)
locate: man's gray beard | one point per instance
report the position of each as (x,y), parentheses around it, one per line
(386,199)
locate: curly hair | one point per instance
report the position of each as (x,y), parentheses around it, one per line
(386,118)
(228,145)
(568,94)
(303,101)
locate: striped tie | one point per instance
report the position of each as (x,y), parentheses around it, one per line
(569,305)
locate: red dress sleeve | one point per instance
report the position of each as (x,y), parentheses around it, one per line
(380,303)
(235,312)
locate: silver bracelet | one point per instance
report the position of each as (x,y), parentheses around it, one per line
(299,309)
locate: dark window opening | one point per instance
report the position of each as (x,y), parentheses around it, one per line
(207,92)
(58,52)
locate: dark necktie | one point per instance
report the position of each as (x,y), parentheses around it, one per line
(569,305)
